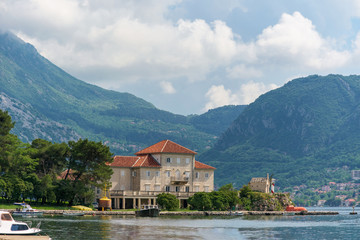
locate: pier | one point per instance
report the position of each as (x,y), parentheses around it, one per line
(8,237)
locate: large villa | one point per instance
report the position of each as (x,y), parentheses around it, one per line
(162,167)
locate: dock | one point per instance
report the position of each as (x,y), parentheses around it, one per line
(186,213)
(27,237)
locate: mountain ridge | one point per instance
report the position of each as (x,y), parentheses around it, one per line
(47,102)
(310,125)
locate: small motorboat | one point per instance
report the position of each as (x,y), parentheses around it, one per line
(148,211)
(26,210)
(236,213)
(8,226)
(73,214)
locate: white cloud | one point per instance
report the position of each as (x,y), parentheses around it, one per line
(295,42)
(241,71)
(167,87)
(219,96)
(250,91)
(117,43)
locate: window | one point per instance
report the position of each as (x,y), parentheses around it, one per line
(197,175)
(187,174)
(148,173)
(147,187)
(177,188)
(187,189)
(168,173)
(206,175)
(196,188)
(178,160)
(167,188)
(157,173)
(168,160)
(206,189)
(122,187)
(187,160)
(19,227)
(122,172)
(157,188)
(133,174)
(6,217)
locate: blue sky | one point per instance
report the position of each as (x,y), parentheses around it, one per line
(190,56)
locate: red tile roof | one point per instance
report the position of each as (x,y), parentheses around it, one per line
(70,176)
(200,165)
(146,161)
(137,161)
(165,146)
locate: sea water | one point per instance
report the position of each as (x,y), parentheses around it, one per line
(342,226)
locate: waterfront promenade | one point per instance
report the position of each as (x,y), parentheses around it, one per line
(186,213)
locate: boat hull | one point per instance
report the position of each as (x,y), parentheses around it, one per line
(152,212)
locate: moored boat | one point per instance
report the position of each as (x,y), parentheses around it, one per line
(8,226)
(291,208)
(26,210)
(148,211)
(73,214)
(236,213)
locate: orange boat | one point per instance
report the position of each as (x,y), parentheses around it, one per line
(291,208)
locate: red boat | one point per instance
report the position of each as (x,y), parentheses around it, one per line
(291,208)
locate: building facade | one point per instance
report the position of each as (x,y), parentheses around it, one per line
(260,184)
(162,167)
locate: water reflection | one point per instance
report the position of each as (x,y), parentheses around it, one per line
(343,226)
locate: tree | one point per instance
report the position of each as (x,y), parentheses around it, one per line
(201,201)
(88,166)
(230,194)
(52,157)
(167,201)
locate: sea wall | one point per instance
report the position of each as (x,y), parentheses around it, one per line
(184,213)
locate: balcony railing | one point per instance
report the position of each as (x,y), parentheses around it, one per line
(179,180)
(126,193)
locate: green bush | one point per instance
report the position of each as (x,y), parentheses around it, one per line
(167,201)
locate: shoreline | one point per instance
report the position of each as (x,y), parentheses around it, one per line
(181,213)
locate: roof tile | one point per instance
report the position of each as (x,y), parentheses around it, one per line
(200,165)
(165,146)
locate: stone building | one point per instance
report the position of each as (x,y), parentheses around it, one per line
(260,184)
(162,167)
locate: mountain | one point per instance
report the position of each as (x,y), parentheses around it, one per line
(46,102)
(306,132)
(216,121)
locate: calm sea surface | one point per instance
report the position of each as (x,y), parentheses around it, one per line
(342,226)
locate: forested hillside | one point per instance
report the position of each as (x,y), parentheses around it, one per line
(304,133)
(48,103)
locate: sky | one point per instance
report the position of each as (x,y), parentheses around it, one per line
(189,56)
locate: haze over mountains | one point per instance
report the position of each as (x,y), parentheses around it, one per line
(46,102)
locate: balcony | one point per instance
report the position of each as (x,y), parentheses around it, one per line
(179,180)
(142,194)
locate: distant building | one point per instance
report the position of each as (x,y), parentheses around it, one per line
(163,167)
(326,188)
(321,203)
(355,174)
(260,184)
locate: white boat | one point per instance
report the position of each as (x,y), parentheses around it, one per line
(26,210)
(73,214)
(236,213)
(8,226)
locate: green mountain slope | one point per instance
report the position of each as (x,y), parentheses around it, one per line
(48,103)
(301,132)
(216,121)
